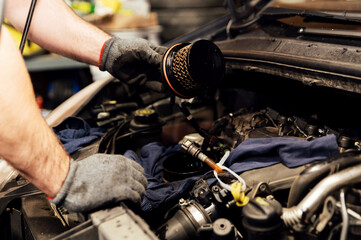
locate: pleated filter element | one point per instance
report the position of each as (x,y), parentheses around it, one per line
(188,69)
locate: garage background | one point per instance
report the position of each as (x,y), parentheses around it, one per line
(56,78)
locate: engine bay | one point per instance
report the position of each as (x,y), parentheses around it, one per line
(297,154)
(272,151)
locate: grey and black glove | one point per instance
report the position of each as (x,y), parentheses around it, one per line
(100,180)
(135,61)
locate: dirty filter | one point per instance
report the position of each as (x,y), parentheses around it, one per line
(188,69)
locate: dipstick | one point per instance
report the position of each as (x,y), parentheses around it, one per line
(194,151)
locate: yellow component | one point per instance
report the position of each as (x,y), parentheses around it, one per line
(115,5)
(239,195)
(145,111)
(126,12)
(83,7)
(262,201)
(30,48)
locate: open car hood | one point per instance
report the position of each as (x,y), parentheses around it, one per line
(285,112)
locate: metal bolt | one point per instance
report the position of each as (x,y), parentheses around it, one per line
(262,187)
(270,197)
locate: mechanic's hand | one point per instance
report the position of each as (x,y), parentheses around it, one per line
(135,61)
(99,180)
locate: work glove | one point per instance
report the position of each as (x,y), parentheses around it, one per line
(135,61)
(101,180)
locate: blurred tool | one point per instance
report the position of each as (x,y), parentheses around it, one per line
(2,7)
(27,25)
(194,151)
(30,48)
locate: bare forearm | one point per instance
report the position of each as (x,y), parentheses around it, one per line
(26,141)
(37,155)
(57,28)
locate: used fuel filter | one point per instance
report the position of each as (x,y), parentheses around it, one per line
(188,69)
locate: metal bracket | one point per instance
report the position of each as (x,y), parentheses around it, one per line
(329,207)
(247,14)
(262,188)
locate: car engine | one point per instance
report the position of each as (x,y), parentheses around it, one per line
(272,151)
(306,201)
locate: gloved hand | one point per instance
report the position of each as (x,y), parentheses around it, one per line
(134,61)
(99,180)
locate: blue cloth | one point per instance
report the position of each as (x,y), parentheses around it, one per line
(251,154)
(158,192)
(75,133)
(293,152)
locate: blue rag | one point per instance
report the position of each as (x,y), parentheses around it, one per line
(75,134)
(250,154)
(158,192)
(293,152)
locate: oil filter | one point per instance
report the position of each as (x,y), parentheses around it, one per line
(187,69)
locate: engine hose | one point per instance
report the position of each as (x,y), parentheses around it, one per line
(307,207)
(308,178)
(292,216)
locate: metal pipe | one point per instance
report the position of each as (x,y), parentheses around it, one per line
(344,215)
(315,173)
(232,9)
(307,207)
